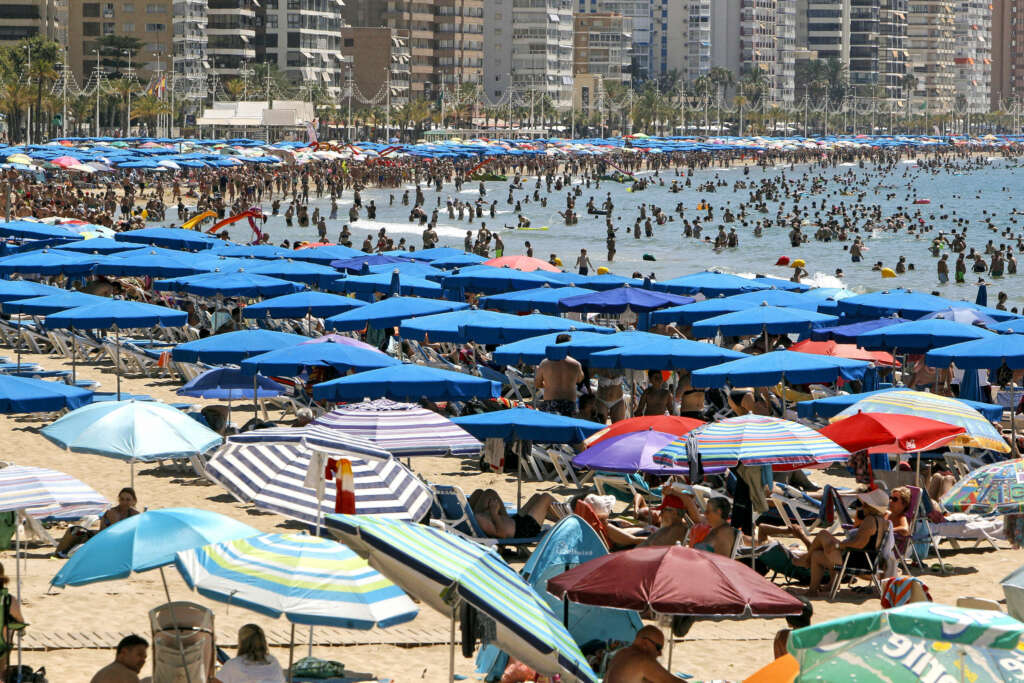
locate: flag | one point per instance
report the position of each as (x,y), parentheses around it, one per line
(311,133)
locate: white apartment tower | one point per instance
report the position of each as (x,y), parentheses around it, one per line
(529,49)
(649,18)
(189,60)
(231,35)
(303,38)
(931,44)
(973,58)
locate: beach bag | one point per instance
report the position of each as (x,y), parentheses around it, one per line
(311,667)
(8,523)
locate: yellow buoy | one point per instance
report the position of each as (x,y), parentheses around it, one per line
(558,261)
(888,272)
(798,263)
(602,270)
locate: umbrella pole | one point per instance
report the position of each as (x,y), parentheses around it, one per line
(131,468)
(1013,420)
(310,641)
(291,653)
(177,631)
(17,571)
(519,477)
(74,346)
(671,642)
(255,393)
(451,643)
(117,343)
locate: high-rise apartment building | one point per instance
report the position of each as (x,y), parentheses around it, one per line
(189,59)
(785,52)
(26,18)
(379,58)
(231,35)
(973,57)
(303,39)
(1007,52)
(151,23)
(688,43)
(823,27)
(877,58)
(529,49)
(930,42)
(650,22)
(602,44)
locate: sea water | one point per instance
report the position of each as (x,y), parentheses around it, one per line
(968,193)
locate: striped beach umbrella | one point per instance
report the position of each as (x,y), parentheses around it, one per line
(754,440)
(979,432)
(269,468)
(310,580)
(445,571)
(45,493)
(404,429)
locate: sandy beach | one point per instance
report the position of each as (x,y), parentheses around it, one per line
(102,612)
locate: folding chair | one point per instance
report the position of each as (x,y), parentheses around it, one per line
(458,517)
(885,554)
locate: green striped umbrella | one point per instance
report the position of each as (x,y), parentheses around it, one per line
(444,570)
(923,641)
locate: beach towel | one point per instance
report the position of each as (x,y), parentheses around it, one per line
(494,454)
(903,590)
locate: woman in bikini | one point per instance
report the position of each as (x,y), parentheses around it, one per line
(610,403)
(721,537)
(690,400)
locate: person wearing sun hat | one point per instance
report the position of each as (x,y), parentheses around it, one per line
(673,527)
(862,544)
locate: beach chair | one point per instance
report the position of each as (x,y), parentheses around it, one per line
(183,638)
(903,590)
(559,461)
(34,341)
(456,516)
(970,602)
(519,386)
(885,564)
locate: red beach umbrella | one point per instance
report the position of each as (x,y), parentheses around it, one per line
(668,424)
(890,433)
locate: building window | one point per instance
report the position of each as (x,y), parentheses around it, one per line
(129,28)
(271,21)
(349,42)
(109,28)
(91,9)
(154,28)
(128,7)
(294,20)
(154,8)
(91,28)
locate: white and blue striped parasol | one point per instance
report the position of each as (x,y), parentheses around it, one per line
(268,468)
(404,429)
(309,580)
(47,494)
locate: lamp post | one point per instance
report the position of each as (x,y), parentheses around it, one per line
(98,76)
(28,117)
(128,94)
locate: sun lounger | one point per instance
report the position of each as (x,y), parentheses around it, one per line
(458,517)
(969,602)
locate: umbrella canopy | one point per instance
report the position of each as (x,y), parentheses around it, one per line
(1013,589)
(518,327)
(30,395)
(404,429)
(964,316)
(648,579)
(543,299)
(582,345)
(447,327)
(833,405)
(979,431)
(526,424)
(667,424)
(151,262)
(533,350)
(607,281)
(292,360)
(324,255)
(488,280)
(312,274)
(390,312)
(919,641)
(919,336)
(771,368)
(387,283)
(623,299)
(52,303)
(145,431)
(146,541)
(631,452)
(989,490)
(710,284)
(436,567)
(268,468)
(238,283)
(48,494)
(848,334)
(230,384)
(117,313)
(989,353)
(754,440)
(664,353)
(527,264)
(849,351)
(729,304)
(31,230)
(234,347)
(301,304)
(770,319)
(12,290)
(407,382)
(309,580)
(907,304)
(172,238)
(355,264)
(889,433)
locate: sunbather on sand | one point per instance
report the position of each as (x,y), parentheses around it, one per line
(495,521)
(638,663)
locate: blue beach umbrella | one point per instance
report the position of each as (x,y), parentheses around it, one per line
(312,274)
(98,245)
(544,299)
(326,254)
(148,540)
(172,238)
(29,395)
(532,350)
(234,347)
(516,328)
(1016,325)
(32,230)
(761,320)
(386,283)
(636,299)
(848,333)
(457,261)
(919,336)
(447,327)
(356,264)
(526,424)
(582,345)
(407,383)
(229,284)
(606,281)
(300,305)
(257,251)
(490,280)
(769,369)
(51,303)
(833,405)
(710,308)
(152,262)
(664,354)
(390,312)
(230,384)
(710,284)
(13,290)
(292,360)
(988,353)
(49,262)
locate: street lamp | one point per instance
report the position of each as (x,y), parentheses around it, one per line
(128,92)
(99,74)
(28,117)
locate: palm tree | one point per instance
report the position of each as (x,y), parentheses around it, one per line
(15,97)
(235,87)
(123,88)
(148,108)
(79,109)
(908,83)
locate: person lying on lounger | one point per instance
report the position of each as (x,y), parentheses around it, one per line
(495,521)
